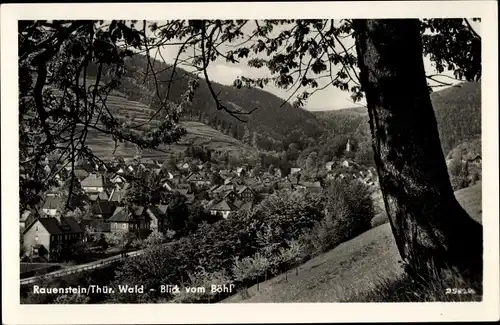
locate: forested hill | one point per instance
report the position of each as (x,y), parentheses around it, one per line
(457,109)
(272,126)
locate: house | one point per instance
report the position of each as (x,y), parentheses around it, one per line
(169,174)
(242,205)
(295,170)
(167,184)
(329,165)
(94,183)
(152,167)
(200,179)
(157,217)
(285,185)
(27,217)
(240,171)
(45,237)
(93,227)
(314,187)
(345,163)
(183,166)
(103,209)
(476,160)
(277,173)
(223,208)
(53,205)
(205,166)
(246,194)
(129,219)
(98,196)
(118,179)
(229,195)
(185,192)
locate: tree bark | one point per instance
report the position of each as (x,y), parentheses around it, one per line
(431,229)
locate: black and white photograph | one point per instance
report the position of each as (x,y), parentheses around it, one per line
(220,159)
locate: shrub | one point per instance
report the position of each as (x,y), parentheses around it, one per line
(379,219)
(155,238)
(205,280)
(250,268)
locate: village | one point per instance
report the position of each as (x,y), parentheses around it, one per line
(55,225)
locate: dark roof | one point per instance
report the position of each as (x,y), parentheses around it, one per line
(310,184)
(94,180)
(67,225)
(182,191)
(224,206)
(242,205)
(116,195)
(158,211)
(244,188)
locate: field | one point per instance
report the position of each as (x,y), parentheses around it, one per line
(351,268)
(198,134)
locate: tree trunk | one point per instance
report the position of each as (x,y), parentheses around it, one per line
(431,229)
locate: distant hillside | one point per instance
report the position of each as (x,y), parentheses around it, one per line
(271,126)
(198,134)
(457,109)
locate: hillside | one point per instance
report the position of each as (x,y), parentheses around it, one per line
(197,134)
(352,267)
(457,110)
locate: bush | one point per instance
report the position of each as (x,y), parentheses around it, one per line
(72,299)
(379,219)
(348,213)
(202,279)
(250,268)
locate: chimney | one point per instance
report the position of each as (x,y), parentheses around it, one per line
(58,217)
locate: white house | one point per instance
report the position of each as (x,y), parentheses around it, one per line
(329,165)
(224,208)
(94,183)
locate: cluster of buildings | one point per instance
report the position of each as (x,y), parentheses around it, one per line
(49,227)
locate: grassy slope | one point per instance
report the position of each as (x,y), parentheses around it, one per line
(353,267)
(197,134)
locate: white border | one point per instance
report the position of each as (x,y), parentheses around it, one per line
(14,313)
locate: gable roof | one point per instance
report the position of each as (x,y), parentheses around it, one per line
(224,206)
(66,225)
(116,195)
(53,203)
(244,188)
(158,211)
(243,205)
(94,180)
(310,184)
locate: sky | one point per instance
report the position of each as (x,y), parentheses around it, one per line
(330,98)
